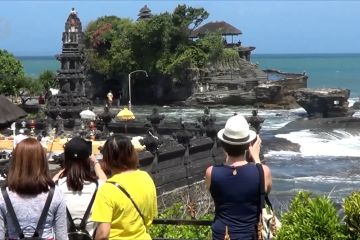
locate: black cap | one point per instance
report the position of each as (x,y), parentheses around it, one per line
(78,148)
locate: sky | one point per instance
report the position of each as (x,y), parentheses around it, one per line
(34,28)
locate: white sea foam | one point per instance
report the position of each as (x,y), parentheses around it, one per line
(282,154)
(327,179)
(298,111)
(335,143)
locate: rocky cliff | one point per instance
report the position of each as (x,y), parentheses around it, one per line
(324,102)
(240,82)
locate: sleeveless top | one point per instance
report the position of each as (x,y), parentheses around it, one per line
(236,196)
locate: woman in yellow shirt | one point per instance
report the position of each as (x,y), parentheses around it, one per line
(120,216)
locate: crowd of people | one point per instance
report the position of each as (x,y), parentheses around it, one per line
(115,198)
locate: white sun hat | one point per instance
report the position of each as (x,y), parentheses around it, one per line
(236,131)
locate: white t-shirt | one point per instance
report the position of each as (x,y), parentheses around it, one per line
(77,202)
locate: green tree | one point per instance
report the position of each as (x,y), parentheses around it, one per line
(161,45)
(29,88)
(11,74)
(47,80)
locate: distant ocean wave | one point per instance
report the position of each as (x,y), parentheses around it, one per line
(325,143)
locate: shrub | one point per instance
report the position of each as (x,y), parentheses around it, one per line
(352,214)
(178,211)
(311,218)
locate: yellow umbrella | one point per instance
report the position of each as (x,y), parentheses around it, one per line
(125,115)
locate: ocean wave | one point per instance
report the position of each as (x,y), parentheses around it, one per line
(282,154)
(335,143)
(328,179)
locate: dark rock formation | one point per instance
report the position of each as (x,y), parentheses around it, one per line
(324,102)
(356,105)
(240,82)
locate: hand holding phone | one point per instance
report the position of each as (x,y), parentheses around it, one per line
(254,149)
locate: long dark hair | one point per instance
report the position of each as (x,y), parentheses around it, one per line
(77,170)
(119,153)
(29,171)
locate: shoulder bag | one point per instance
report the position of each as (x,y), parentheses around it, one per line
(78,231)
(41,222)
(268,223)
(128,195)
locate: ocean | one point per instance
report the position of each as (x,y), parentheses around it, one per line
(328,162)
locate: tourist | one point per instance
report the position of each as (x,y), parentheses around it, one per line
(76,180)
(41,99)
(27,185)
(120,216)
(109,98)
(234,185)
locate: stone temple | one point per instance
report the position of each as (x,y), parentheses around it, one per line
(71,76)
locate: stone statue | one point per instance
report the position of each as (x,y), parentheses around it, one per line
(205,120)
(59,126)
(151,141)
(155,118)
(183,136)
(106,117)
(255,121)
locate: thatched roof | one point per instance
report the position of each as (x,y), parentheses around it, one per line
(9,112)
(223,27)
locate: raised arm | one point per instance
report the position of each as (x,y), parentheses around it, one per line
(98,169)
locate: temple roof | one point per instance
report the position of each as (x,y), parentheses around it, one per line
(144,13)
(223,27)
(9,112)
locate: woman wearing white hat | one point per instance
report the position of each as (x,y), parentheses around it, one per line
(234,185)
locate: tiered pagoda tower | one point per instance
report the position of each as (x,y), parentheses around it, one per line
(71,99)
(144,13)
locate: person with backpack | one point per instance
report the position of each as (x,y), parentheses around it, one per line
(79,184)
(126,204)
(30,204)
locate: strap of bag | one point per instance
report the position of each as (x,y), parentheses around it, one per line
(12,212)
(263,195)
(261,186)
(45,210)
(86,214)
(260,201)
(128,195)
(42,218)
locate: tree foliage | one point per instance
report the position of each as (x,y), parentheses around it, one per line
(160,45)
(311,218)
(47,79)
(352,214)
(11,74)
(178,211)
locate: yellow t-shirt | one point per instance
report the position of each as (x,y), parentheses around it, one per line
(113,206)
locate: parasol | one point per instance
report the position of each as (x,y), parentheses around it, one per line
(125,115)
(88,114)
(9,112)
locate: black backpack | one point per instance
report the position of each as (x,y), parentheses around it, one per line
(41,222)
(78,231)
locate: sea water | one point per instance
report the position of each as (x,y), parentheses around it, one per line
(328,162)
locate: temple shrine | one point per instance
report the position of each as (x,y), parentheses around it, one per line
(227,31)
(71,77)
(144,13)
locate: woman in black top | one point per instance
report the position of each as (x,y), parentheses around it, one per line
(234,185)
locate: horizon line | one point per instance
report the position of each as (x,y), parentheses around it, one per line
(294,53)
